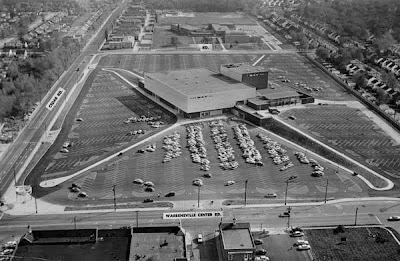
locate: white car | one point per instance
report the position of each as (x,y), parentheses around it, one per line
(304,247)
(229,182)
(198,182)
(301,242)
(199,238)
(297,234)
(138,181)
(7,251)
(394,218)
(262,258)
(64,150)
(271,195)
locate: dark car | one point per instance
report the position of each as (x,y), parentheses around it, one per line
(258,241)
(148,200)
(170,194)
(284,214)
(141,151)
(261,251)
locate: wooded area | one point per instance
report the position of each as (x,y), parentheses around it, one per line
(357,18)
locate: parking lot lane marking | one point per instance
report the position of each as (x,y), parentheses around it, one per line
(380,222)
(259,60)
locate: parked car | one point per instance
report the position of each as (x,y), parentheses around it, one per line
(78,119)
(64,150)
(82,194)
(148,200)
(149,189)
(199,238)
(394,218)
(301,242)
(270,195)
(297,234)
(304,247)
(138,181)
(284,214)
(229,182)
(261,251)
(258,241)
(170,194)
(262,258)
(207,175)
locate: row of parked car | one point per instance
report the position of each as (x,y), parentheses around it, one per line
(250,152)
(276,152)
(142,118)
(172,146)
(226,154)
(318,170)
(198,151)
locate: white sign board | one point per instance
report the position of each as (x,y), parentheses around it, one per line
(188,215)
(55,98)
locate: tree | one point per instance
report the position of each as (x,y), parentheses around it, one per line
(360,80)
(174,41)
(381,97)
(390,80)
(322,52)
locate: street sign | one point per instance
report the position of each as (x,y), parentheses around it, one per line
(191,215)
(55,98)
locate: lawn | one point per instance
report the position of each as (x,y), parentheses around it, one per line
(360,244)
(162,38)
(202,19)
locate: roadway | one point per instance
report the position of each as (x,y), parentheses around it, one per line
(368,213)
(19,151)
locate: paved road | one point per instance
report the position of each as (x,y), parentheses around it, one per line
(19,151)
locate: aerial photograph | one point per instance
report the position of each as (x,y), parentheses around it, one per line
(201,130)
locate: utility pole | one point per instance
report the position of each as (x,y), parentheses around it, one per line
(326,190)
(287,184)
(36,206)
(198,198)
(245,192)
(15,176)
(75,223)
(115,202)
(355,221)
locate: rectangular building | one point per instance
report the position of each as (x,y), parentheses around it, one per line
(256,76)
(236,242)
(197,92)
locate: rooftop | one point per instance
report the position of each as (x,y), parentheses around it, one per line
(237,239)
(197,81)
(277,93)
(241,68)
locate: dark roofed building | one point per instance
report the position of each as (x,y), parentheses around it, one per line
(236,242)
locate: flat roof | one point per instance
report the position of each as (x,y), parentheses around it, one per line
(197,81)
(242,68)
(237,239)
(277,92)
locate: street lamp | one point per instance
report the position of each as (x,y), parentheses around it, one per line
(115,202)
(355,220)
(290,179)
(326,190)
(198,198)
(245,192)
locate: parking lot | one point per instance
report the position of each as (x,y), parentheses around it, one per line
(167,62)
(297,72)
(178,174)
(101,124)
(281,247)
(348,129)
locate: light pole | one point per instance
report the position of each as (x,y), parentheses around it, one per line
(198,198)
(355,220)
(115,202)
(245,192)
(326,190)
(291,178)
(75,223)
